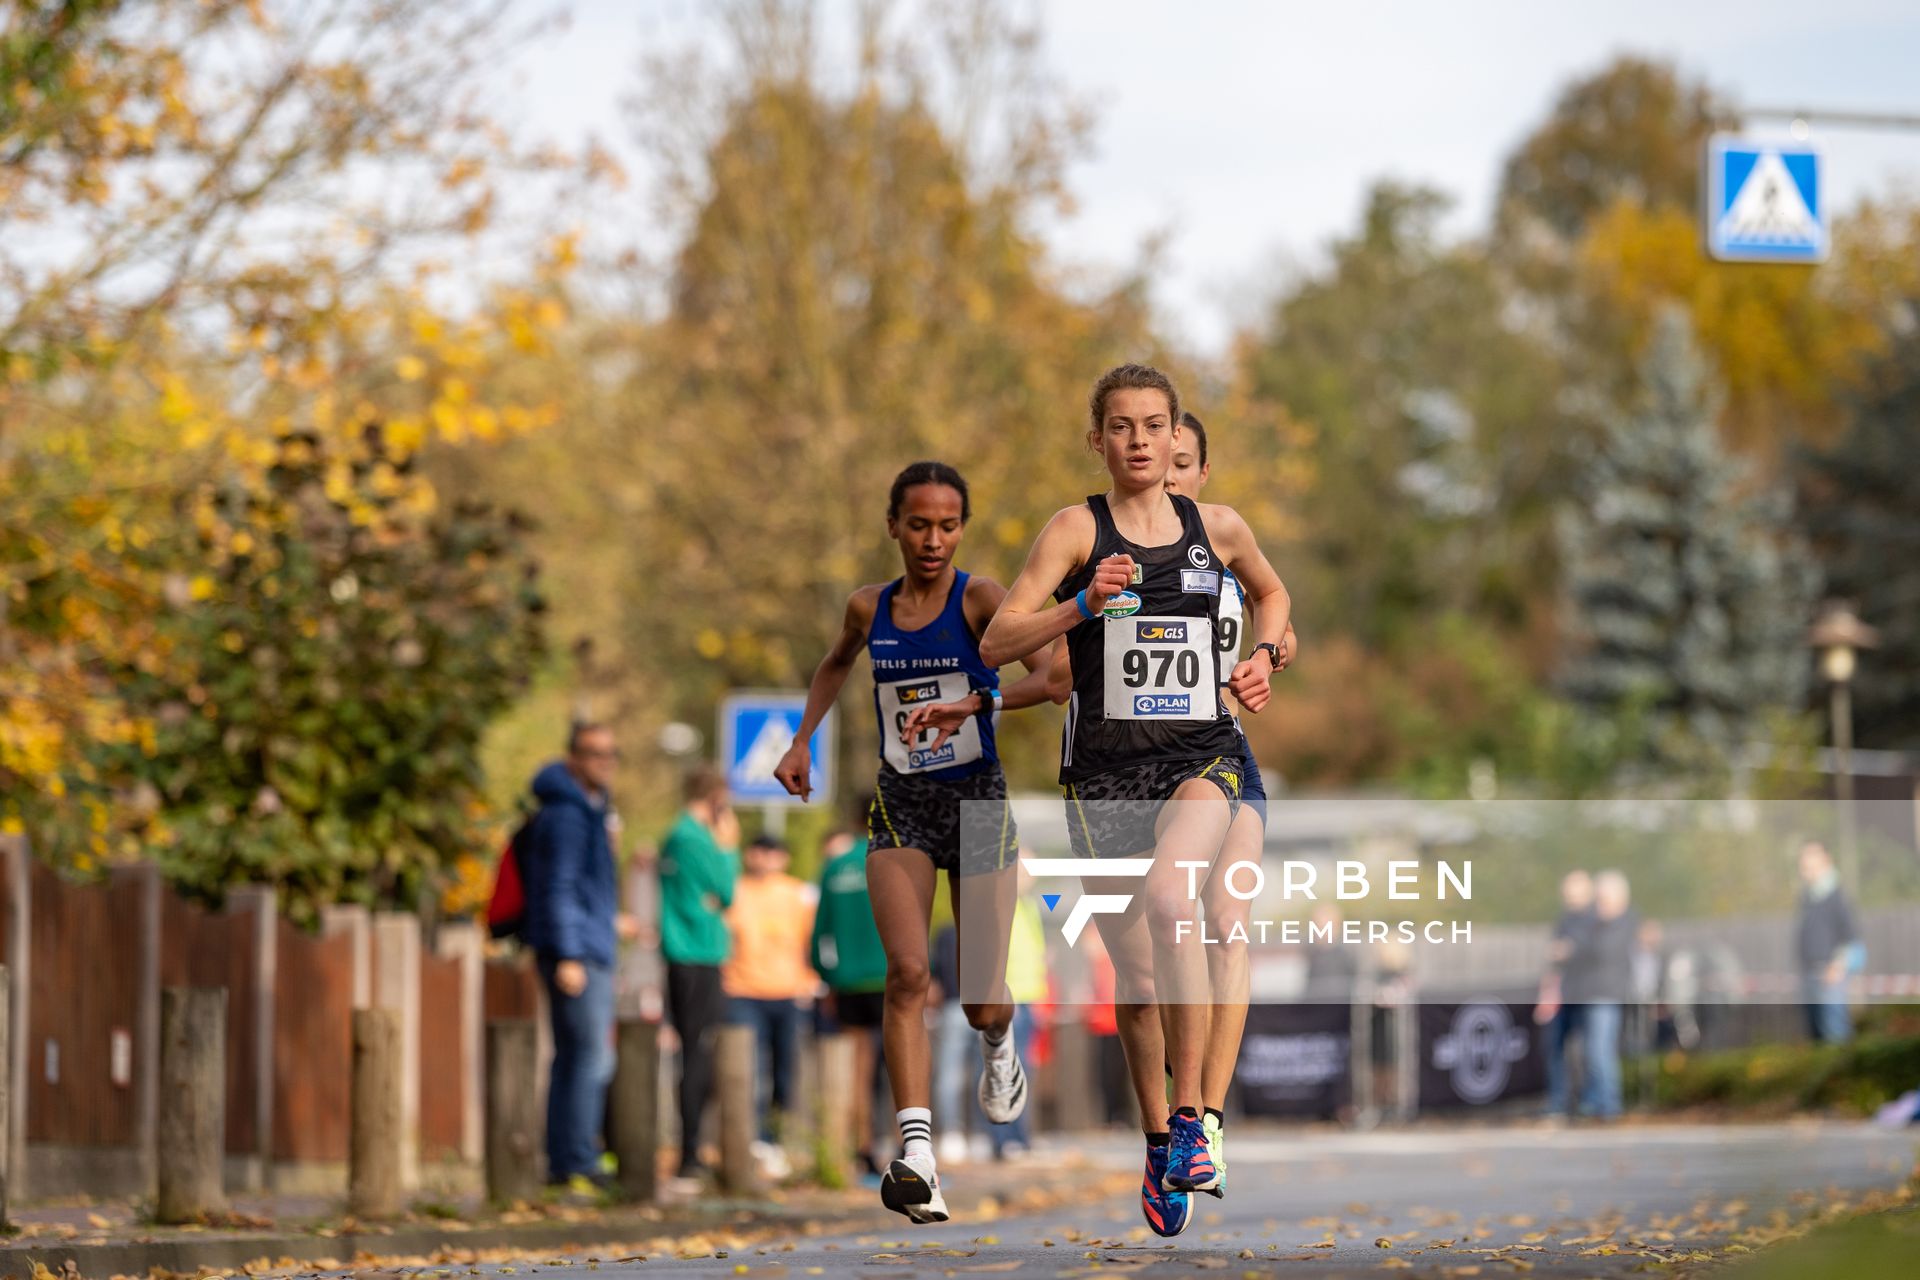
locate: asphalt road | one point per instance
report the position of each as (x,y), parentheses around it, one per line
(1578,1202)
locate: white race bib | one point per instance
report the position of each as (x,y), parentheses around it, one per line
(1232,616)
(902,696)
(1160,669)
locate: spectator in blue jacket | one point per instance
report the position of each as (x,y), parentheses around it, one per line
(573,923)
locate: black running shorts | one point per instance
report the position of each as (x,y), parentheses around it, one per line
(963,824)
(1113,814)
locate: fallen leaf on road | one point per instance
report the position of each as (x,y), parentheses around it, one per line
(1382,1243)
(1318,1244)
(1012,1264)
(1396,1264)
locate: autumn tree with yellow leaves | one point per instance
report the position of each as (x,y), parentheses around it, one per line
(243,633)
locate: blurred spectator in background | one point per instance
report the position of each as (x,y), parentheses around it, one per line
(1110,1060)
(699,861)
(572,922)
(1331,964)
(1600,980)
(952,1039)
(766,976)
(1557,1016)
(847,954)
(1828,945)
(1027,981)
(1655,1028)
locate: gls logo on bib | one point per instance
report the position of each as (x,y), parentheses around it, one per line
(1161,632)
(921,692)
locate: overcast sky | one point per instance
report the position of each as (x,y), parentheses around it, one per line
(1265,122)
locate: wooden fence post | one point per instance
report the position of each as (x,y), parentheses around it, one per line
(464,943)
(634,1104)
(6,1093)
(15,859)
(396,986)
(192,1121)
(513,1117)
(373,1150)
(739,1121)
(836,1109)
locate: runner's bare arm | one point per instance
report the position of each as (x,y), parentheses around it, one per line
(983,599)
(1031,689)
(794,772)
(1268,605)
(1026,621)
(1060,674)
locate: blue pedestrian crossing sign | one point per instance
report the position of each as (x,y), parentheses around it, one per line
(756,728)
(1765,201)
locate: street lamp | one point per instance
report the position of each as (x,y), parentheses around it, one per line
(1837,637)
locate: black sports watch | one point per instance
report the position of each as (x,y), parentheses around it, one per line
(1273,653)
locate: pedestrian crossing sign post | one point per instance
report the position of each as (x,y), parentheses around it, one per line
(756,728)
(1764,201)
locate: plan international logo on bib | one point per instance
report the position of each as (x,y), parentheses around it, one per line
(927,758)
(1163,704)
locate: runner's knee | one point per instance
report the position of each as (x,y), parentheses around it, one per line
(907,979)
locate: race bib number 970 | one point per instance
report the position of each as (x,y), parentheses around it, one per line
(1160,669)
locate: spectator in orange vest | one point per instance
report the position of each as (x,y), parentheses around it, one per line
(766,975)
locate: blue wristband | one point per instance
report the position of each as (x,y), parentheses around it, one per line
(1081,600)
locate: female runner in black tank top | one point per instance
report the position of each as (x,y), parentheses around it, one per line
(1134,413)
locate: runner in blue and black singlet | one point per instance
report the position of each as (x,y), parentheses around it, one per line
(940,804)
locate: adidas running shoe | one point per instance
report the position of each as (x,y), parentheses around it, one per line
(906,1189)
(1217,1150)
(1003,1084)
(1167,1212)
(1189,1167)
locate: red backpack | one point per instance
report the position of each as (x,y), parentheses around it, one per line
(507,906)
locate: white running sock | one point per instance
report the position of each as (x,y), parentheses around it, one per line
(1000,1048)
(916,1134)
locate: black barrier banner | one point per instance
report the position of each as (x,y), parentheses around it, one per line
(1293,1060)
(1479,1053)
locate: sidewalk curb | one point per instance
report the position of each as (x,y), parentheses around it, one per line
(231,1253)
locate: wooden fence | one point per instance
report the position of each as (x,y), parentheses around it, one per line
(86,965)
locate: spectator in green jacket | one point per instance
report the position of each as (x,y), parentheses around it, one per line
(699,860)
(846,952)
